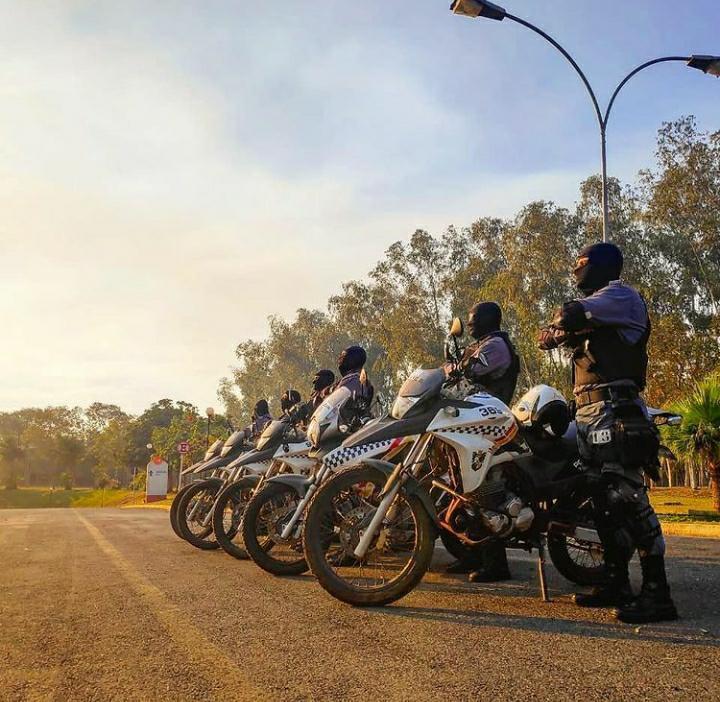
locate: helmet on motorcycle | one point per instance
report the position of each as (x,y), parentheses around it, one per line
(289,399)
(543,409)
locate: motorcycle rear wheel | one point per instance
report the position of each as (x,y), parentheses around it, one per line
(581,562)
(403,548)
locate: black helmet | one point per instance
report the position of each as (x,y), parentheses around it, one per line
(596,266)
(323,379)
(261,408)
(289,399)
(351,359)
(485,317)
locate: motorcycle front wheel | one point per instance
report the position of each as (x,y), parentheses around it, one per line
(230,506)
(193,508)
(398,556)
(174,510)
(266,515)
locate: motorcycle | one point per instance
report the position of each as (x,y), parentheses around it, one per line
(471,477)
(282,448)
(195,502)
(273,520)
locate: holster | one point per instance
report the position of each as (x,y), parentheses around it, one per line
(637,438)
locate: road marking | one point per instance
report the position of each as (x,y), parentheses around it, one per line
(200,651)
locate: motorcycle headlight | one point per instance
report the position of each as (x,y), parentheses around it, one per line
(402,405)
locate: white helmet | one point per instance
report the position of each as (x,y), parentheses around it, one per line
(543,409)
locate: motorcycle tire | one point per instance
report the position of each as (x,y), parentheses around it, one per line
(203,539)
(261,551)
(321,508)
(174,510)
(231,496)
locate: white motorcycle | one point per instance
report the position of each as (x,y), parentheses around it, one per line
(273,520)
(478,472)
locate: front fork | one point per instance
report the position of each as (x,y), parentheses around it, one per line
(389,492)
(312,489)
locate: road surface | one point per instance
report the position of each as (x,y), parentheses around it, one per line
(109,604)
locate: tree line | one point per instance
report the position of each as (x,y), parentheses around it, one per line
(100,445)
(667,222)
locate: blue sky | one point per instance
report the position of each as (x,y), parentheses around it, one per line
(171,173)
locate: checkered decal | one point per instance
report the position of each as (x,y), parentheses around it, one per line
(343,455)
(492,432)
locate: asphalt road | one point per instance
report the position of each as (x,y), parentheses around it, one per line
(110,605)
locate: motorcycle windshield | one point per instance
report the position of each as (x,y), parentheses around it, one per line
(326,418)
(273,433)
(422,386)
(213,450)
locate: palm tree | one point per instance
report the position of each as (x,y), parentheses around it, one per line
(697,440)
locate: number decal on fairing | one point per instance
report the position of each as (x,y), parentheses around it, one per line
(489,411)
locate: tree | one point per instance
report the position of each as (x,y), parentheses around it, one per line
(11,454)
(697,440)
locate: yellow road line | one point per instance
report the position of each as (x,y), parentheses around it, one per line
(201,653)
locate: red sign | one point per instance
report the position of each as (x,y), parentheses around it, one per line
(183,447)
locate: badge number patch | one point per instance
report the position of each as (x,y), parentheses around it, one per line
(601,436)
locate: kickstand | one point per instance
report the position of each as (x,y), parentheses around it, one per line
(541,570)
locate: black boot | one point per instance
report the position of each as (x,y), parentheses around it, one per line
(463,567)
(615,592)
(494,566)
(654,603)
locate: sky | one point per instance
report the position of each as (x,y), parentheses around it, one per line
(174,172)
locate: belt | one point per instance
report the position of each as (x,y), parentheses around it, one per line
(623,392)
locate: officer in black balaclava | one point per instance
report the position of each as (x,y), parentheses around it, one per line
(321,384)
(260,419)
(491,361)
(607,331)
(288,400)
(350,364)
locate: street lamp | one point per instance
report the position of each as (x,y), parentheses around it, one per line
(489,10)
(210,412)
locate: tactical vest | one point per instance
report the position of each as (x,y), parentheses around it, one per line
(603,356)
(503,387)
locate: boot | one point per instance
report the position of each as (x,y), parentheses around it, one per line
(494,566)
(615,592)
(654,603)
(463,567)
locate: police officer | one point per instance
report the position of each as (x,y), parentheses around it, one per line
(260,419)
(608,331)
(288,400)
(322,380)
(351,362)
(491,361)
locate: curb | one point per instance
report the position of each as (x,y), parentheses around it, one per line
(703,530)
(150,506)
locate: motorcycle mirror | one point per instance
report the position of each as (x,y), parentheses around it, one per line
(456,327)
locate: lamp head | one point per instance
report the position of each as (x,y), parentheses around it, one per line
(478,8)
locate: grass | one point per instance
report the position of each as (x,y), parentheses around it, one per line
(77,497)
(679,501)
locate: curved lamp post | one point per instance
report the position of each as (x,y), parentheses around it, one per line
(489,10)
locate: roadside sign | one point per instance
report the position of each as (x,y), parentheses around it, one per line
(183,447)
(157,480)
